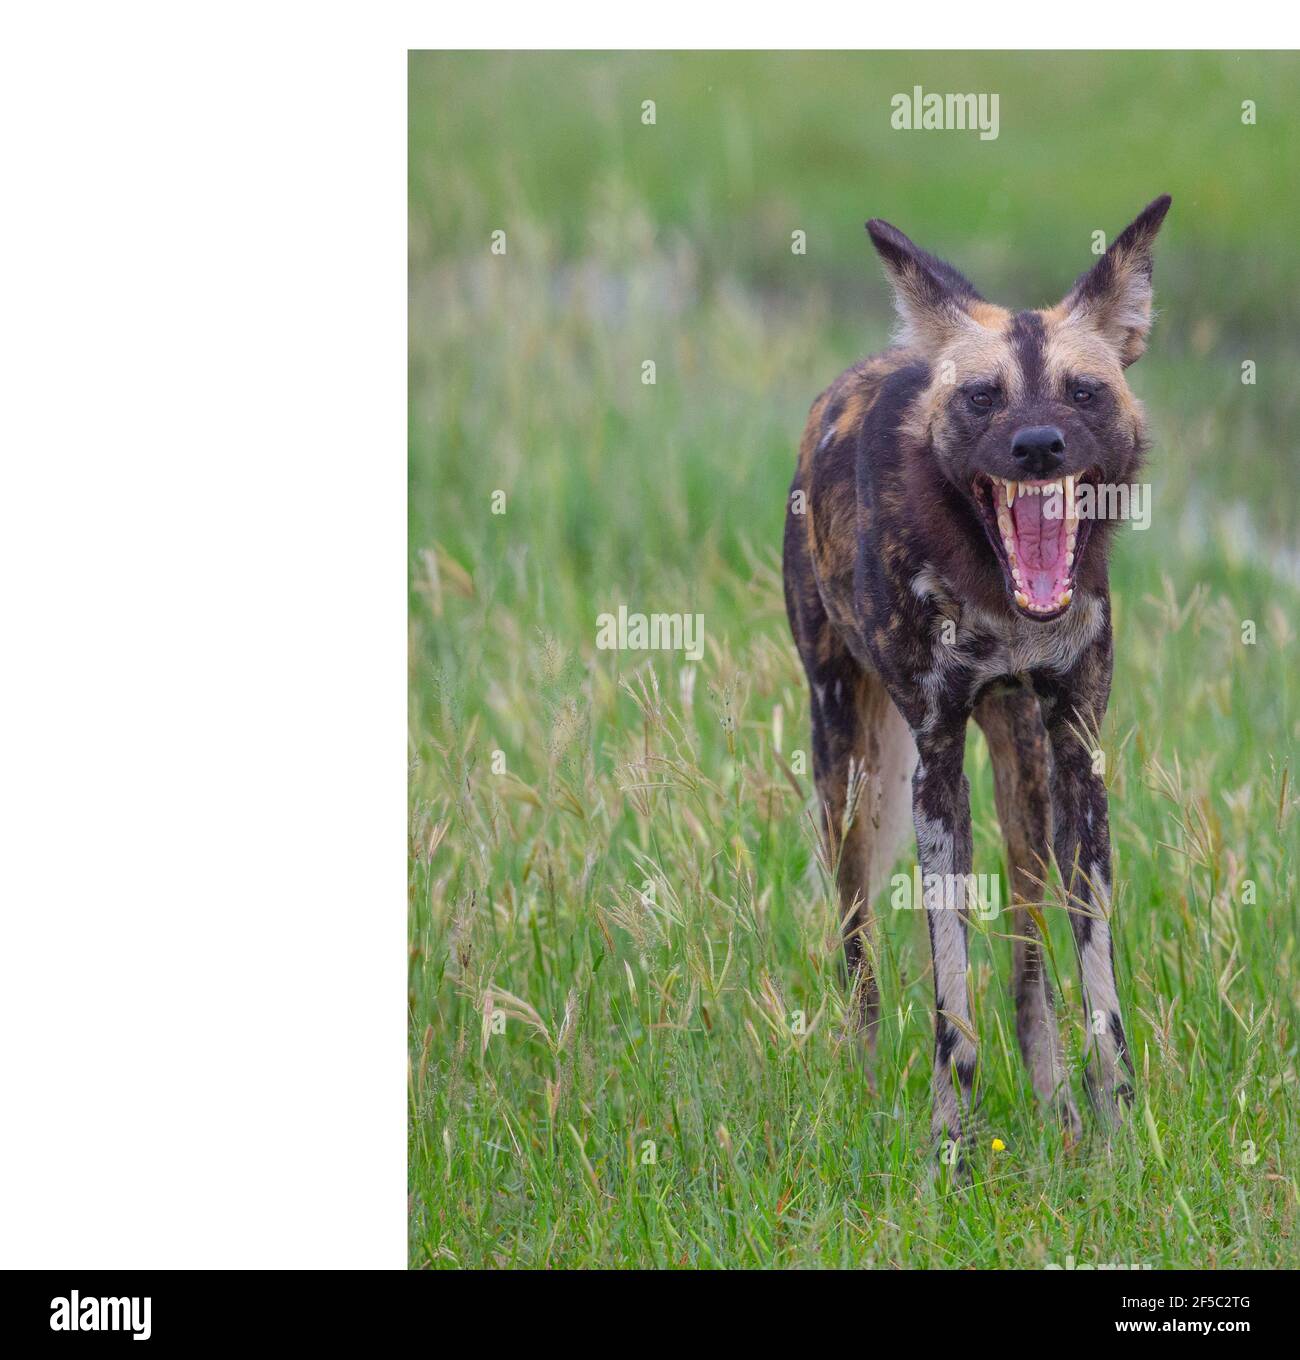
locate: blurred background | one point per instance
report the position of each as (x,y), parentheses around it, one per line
(671,242)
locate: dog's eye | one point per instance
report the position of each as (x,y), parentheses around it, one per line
(981,399)
(1082,396)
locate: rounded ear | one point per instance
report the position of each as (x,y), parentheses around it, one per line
(1114,296)
(929,294)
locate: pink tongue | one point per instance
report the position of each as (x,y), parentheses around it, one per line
(1040,550)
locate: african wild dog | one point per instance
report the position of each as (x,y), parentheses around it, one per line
(926,580)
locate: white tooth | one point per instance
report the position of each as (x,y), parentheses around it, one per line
(1022,599)
(1010,489)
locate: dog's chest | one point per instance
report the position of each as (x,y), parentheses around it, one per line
(1015,646)
(972,646)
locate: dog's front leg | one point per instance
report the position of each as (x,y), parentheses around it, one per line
(941,813)
(1082,845)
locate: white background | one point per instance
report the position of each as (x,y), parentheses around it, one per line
(203,556)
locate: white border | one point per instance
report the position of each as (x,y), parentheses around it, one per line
(204,566)
(837,25)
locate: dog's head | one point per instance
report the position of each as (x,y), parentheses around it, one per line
(1024,409)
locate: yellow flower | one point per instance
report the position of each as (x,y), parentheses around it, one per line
(999,1145)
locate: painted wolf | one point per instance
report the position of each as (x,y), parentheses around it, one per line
(937,568)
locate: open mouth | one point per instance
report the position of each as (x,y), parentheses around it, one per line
(1037,536)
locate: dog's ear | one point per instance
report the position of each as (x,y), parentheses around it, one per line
(1114,296)
(930,296)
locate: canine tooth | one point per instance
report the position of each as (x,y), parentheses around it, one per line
(1066,598)
(1022,599)
(1010,489)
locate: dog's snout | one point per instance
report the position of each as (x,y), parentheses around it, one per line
(1039,448)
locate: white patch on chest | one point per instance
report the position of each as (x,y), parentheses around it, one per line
(992,645)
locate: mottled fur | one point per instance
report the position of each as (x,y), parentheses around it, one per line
(902,615)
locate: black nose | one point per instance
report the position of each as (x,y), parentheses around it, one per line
(1039,448)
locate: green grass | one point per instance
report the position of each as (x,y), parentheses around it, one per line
(668,1017)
